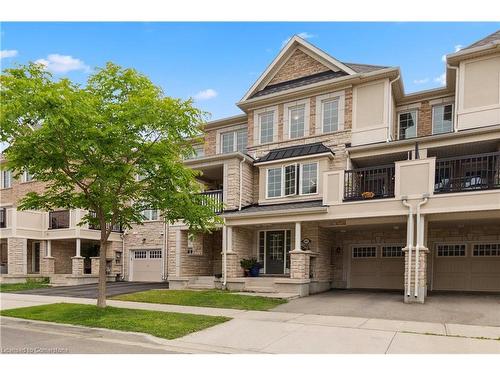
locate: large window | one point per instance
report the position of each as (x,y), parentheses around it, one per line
(442,119)
(274,182)
(287,180)
(296,117)
(408,124)
(266,124)
(235,140)
(6,179)
(150,214)
(309,176)
(330,115)
(27,176)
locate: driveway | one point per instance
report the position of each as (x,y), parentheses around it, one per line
(476,309)
(90,290)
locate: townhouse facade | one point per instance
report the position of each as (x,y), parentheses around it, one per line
(332,177)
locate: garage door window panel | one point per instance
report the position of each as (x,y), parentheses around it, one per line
(140,254)
(392,251)
(486,250)
(454,250)
(364,252)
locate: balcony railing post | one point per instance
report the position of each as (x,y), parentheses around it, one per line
(213,199)
(371,182)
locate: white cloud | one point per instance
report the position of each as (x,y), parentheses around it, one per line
(421,81)
(8,53)
(457,48)
(441,79)
(62,63)
(303,35)
(206,94)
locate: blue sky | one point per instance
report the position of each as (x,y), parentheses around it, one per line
(218,62)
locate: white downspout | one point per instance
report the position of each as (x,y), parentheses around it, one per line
(123,253)
(409,243)
(164,249)
(241,182)
(455,110)
(389,114)
(419,243)
(224,254)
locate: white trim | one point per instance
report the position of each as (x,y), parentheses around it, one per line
(376,246)
(280,161)
(301,175)
(256,124)
(320,100)
(287,107)
(416,122)
(228,129)
(452,117)
(285,53)
(474,243)
(264,261)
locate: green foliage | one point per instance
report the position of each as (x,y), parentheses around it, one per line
(89,143)
(205,298)
(157,323)
(247,264)
(29,284)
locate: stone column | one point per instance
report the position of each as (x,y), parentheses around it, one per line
(16,254)
(94,266)
(418,274)
(77,266)
(299,264)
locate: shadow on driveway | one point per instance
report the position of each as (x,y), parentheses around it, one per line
(460,308)
(90,290)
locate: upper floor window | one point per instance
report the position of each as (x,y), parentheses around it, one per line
(309,175)
(198,152)
(442,119)
(27,176)
(234,141)
(266,125)
(330,115)
(150,214)
(407,124)
(6,179)
(292,179)
(296,117)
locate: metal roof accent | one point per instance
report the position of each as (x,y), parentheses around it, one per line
(294,151)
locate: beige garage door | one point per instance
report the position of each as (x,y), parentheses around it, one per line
(146,265)
(467,267)
(377,267)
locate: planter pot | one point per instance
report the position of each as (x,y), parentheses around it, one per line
(254,271)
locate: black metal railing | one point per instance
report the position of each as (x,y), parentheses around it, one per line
(59,219)
(467,173)
(213,199)
(369,183)
(116,227)
(3,217)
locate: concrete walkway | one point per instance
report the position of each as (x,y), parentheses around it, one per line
(282,332)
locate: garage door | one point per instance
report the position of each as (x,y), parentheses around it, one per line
(377,267)
(467,267)
(145,265)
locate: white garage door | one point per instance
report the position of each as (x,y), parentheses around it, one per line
(377,267)
(467,267)
(145,265)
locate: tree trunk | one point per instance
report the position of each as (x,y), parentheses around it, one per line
(101,289)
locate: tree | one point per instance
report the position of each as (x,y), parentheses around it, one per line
(88,143)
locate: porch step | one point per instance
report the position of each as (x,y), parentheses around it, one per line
(259,289)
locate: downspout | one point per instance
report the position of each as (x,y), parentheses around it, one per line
(224,254)
(123,253)
(164,249)
(409,243)
(389,114)
(419,243)
(455,110)
(241,182)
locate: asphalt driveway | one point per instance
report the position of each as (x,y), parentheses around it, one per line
(461,308)
(90,290)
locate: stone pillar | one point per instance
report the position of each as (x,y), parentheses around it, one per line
(78,248)
(298,236)
(299,264)
(48,266)
(94,266)
(16,255)
(77,266)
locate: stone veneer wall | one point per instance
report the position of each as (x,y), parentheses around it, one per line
(63,251)
(243,247)
(424,119)
(15,250)
(298,65)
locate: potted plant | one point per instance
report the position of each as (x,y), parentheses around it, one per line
(251,267)
(368,194)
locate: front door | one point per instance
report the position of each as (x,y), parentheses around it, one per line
(275,252)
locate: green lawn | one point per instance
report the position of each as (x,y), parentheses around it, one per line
(30,284)
(157,323)
(208,298)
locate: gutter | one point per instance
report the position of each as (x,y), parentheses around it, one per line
(455,110)
(409,242)
(241,182)
(389,114)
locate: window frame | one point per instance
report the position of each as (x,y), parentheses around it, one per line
(355,247)
(301,178)
(25,177)
(234,134)
(2,179)
(392,246)
(497,250)
(452,244)
(416,123)
(298,179)
(289,120)
(452,117)
(322,114)
(151,210)
(259,117)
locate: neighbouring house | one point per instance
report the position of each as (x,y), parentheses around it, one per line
(332,177)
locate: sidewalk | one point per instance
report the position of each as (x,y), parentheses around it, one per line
(279,332)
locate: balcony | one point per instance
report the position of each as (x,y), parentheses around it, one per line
(116,228)
(213,199)
(467,173)
(59,219)
(369,183)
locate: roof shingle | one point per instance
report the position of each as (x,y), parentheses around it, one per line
(294,151)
